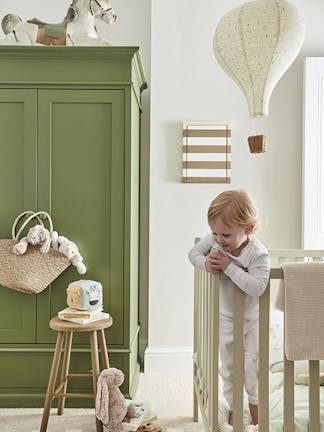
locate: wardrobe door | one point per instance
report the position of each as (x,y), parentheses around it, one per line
(18,145)
(81,183)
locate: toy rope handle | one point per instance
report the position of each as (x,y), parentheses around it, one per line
(31,216)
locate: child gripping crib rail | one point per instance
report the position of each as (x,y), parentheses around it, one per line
(232,248)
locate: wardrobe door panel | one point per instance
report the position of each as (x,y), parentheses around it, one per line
(81,183)
(18,193)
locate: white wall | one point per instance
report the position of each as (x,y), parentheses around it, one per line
(188,84)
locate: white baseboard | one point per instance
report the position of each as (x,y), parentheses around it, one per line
(168,360)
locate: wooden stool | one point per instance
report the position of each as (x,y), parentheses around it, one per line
(67,328)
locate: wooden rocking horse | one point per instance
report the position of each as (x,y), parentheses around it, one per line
(77,28)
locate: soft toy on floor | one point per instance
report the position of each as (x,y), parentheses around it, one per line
(110,402)
(37,235)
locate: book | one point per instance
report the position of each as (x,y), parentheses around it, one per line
(142,421)
(143,415)
(71,312)
(99,316)
(153,426)
(146,427)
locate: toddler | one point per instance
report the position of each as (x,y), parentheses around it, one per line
(232,248)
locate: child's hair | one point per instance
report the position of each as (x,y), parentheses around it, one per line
(234,207)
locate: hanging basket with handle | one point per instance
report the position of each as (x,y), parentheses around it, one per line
(32,271)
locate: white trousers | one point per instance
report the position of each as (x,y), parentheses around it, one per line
(250,344)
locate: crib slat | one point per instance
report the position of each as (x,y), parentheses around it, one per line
(205,336)
(214,342)
(195,342)
(208,334)
(200,330)
(202,348)
(289,396)
(264,315)
(199,319)
(314,397)
(238,360)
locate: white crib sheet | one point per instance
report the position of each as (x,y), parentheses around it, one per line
(276,408)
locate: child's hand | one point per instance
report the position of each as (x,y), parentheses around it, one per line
(217,261)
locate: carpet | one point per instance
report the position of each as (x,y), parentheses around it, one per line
(169,395)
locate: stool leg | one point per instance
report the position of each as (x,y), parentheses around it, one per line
(65,371)
(52,380)
(95,369)
(103,346)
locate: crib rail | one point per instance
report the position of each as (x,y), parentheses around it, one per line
(205,359)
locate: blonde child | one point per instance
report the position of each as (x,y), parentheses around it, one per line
(232,248)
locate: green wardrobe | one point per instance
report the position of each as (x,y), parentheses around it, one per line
(69,145)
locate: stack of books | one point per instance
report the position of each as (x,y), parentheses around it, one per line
(83,316)
(143,420)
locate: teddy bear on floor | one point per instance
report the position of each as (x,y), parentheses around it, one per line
(71,251)
(111,406)
(37,235)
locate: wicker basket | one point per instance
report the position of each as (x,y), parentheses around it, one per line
(33,271)
(257,143)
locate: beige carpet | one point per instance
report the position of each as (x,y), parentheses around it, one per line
(170,396)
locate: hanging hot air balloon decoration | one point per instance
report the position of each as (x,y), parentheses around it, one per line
(255,44)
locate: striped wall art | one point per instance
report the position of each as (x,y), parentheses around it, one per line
(206,153)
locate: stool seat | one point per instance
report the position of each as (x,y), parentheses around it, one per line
(67,326)
(65,331)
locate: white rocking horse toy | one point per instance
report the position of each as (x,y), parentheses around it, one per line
(77,28)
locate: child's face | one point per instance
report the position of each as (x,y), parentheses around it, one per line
(229,238)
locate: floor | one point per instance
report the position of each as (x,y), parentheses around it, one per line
(169,395)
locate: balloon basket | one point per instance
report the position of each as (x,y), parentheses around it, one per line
(257,143)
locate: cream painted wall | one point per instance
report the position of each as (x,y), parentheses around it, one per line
(188,84)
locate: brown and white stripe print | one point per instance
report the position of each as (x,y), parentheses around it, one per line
(206,153)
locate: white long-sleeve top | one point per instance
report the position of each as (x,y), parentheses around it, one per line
(249,271)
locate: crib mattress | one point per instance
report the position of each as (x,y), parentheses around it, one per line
(276,408)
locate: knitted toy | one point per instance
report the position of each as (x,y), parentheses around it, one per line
(110,402)
(71,251)
(54,237)
(37,235)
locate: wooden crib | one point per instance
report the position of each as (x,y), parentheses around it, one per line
(205,367)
